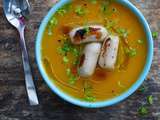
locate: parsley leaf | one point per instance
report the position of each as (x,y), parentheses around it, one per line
(155,34)
(143,110)
(150,99)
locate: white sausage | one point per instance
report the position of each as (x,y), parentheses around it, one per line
(89,59)
(93,33)
(108,55)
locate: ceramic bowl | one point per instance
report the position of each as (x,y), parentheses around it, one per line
(107,102)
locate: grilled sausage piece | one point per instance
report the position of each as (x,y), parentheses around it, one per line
(93,33)
(108,55)
(89,59)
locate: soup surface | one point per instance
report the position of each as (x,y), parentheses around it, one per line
(60,57)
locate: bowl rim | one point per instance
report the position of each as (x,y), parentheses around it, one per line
(108,102)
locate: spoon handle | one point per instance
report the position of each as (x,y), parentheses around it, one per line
(30,87)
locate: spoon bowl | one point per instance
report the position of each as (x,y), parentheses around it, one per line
(16,11)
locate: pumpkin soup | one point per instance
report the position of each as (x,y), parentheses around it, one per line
(94,50)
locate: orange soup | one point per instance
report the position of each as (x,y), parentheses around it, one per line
(61,58)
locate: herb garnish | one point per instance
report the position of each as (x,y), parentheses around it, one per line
(87,29)
(155,34)
(93,1)
(52,23)
(68,71)
(64,9)
(150,99)
(67,48)
(131,52)
(80,11)
(122,32)
(143,89)
(72,79)
(140,41)
(143,110)
(110,24)
(61,11)
(90,98)
(105,7)
(120,84)
(71,76)
(65,59)
(88,92)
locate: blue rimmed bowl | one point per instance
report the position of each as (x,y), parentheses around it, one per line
(109,102)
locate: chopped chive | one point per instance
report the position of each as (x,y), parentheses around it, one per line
(76,62)
(53,22)
(140,41)
(87,29)
(120,84)
(111,23)
(60,51)
(150,99)
(64,9)
(90,98)
(75,52)
(65,59)
(132,52)
(93,1)
(155,34)
(88,92)
(61,11)
(66,47)
(80,11)
(104,8)
(143,110)
(68,6)
(68,71)
(72,79)
(122,32)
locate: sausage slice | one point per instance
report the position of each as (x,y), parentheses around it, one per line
(108,55)
(89,59)
(93,33)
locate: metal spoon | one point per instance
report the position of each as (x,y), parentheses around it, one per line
(16,12)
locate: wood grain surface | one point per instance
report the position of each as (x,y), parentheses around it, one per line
(13,101)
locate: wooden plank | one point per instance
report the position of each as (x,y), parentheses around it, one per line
(13,101)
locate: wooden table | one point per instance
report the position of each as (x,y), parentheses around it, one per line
(13,101)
